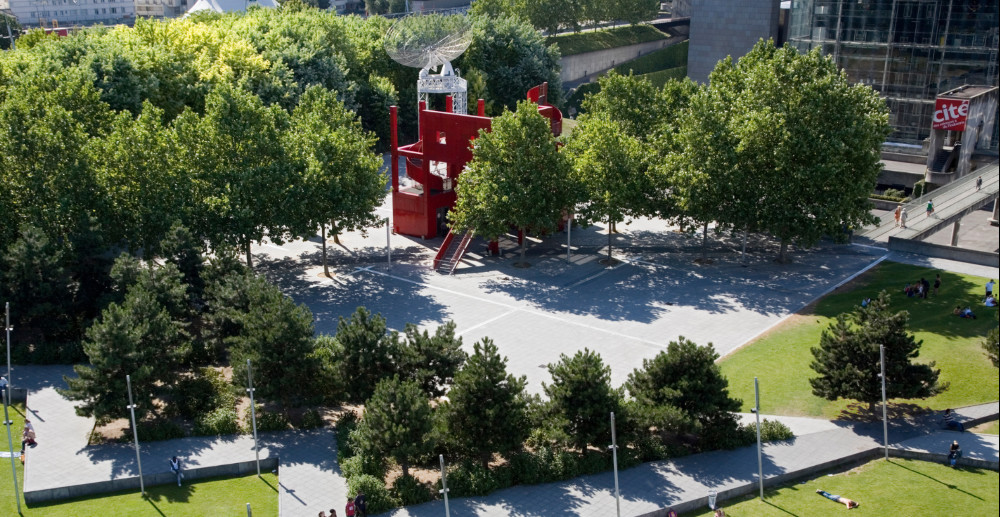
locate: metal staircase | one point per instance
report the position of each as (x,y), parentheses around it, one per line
(449,256)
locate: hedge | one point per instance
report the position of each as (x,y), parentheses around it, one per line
(673,56)
(581,42)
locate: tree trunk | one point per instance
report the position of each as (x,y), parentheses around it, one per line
(326,268)
(611,226)
(524,246)
(704,242)
(249,257)
(406,467)
(486,461)
(335,231)
(781,252)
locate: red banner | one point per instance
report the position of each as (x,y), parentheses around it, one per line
(950,114)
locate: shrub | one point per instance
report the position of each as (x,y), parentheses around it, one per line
(666,58)
(156,430)
(771,431)
(408,491)
(266,420)
(194,396)
(891,192)
(471,479)
(220,421)
(378,496)
(578,43)
(363,465)
(344,427)
(311,419)
(919,188)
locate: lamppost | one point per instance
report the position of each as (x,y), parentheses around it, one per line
(8,328)
(135,433)
(444,486)
(885,419)
(760,460)
(614,462)
(10,443)
(253,414)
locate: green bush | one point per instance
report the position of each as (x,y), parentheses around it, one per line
(364,465)
(344,427)
(378,496)
(194,396)
(471,479)
(578,43)
(266,420)
(891,192)
(661,77)
(890,198)
(155,430)
(919,188)
(673,56)
(771,431)
(220,421)
(311,419)
(408,491)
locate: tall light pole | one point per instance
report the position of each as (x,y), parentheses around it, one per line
(388,250)
(444,486)
(885,418)
(760,458)
(614,462)
(10,443)
(135,433)
(8,328)
(253,414)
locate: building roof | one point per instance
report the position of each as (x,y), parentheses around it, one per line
(228,6)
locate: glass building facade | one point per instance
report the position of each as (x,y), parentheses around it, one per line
(907,50)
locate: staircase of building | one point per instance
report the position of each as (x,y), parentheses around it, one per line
(451,252)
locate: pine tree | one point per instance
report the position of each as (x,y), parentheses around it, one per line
(682,390)
(397,421)
(370,352)
(431,361)
(582,397)
(848,360)
(486,413)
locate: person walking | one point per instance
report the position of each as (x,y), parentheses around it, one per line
(902,219)
(989,287)
(930,207)
(349,509)
(937,283)
(895,215)
(979,183)
(175,467)
(360,505)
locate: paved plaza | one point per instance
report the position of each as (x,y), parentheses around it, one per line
(627,312)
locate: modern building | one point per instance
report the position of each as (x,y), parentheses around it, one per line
(725,28)
(228,6)
(910,51)
(160,8)
(66,13)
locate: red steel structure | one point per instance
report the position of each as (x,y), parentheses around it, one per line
(435,162)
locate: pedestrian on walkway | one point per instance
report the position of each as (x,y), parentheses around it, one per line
(951,422)
(902,219)
(361,505)
(175,467)
(899,210)
(930,207)
(333,513)
(349,509)
(979,183)
(954,453)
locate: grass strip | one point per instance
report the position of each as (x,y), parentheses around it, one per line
(590,41)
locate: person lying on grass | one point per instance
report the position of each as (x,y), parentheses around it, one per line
(836,498)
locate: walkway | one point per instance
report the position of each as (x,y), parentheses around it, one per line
(310,481)
(951,202)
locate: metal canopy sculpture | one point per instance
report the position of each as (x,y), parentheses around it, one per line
(427,42)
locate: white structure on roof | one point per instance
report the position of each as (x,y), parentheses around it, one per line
(66,13)
(228,6)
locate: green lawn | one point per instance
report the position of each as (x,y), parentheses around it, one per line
(218,496)
(781,358)
(987,428)
(894,487)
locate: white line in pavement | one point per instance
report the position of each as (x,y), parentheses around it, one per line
(589,278)
(653,344)
(824,293)
(487,322)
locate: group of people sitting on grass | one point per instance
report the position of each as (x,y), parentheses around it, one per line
(922,288)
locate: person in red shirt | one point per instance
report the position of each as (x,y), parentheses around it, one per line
(349,509)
